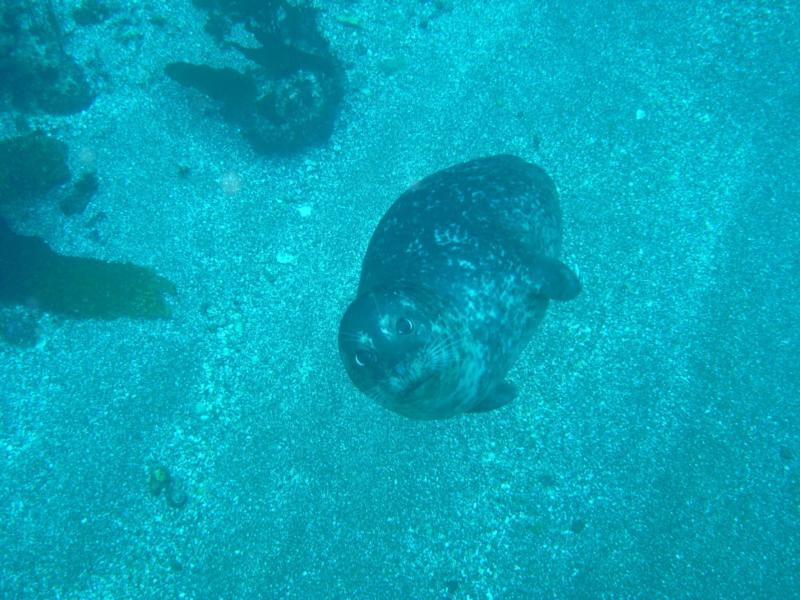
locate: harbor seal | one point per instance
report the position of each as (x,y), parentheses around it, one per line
(456,277)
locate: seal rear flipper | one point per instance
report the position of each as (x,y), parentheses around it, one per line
(502,394)
(554,279)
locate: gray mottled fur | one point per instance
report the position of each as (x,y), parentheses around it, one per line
(469,252)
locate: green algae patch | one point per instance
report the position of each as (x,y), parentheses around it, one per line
(31,165)
(173,489)
(83,288)
(159,479)
(225,84)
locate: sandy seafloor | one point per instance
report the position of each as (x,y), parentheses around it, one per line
(653,451)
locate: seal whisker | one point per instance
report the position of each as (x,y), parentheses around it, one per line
(441,354)
(380,396)
(351,336)
(443,351)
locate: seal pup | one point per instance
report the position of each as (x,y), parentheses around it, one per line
(456,277)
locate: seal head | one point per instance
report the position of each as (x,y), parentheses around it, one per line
(396,346)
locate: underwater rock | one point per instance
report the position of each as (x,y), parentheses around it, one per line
(292,112)
(80,196)
(59,90)
(279,59)
(83,288)
(174,490)
(35,70)
(225,84)
(577,526)
(31,165)
(19,327)
(91,12)
(291,95)
(175,494)
(159,479)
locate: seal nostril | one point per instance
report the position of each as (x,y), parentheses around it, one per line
(363,357)
(403,326)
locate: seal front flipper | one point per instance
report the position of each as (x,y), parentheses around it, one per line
(554,279)
(502,394)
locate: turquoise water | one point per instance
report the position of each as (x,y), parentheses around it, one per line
(222,452)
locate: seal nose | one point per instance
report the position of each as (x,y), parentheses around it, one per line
(401,369)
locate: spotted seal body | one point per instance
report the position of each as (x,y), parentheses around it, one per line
(456,278)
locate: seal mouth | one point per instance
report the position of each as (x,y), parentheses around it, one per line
(416,384)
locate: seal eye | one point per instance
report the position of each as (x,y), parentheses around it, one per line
(403,326)
(363,357)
